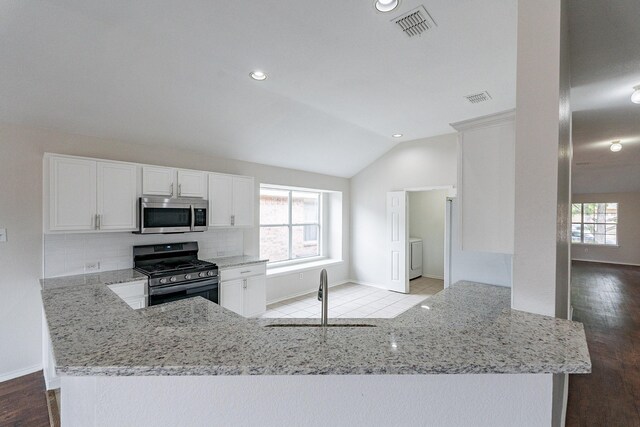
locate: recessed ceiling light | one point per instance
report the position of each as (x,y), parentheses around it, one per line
(397,135)
(386,5)
(635,96)
(258,75)
(615,146)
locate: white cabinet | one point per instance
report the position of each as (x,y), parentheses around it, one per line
(116,196)
(133,293)
(191,184)
(72,194)
(90,195)
(244,290)
(157,181)
(486,173)
(231,200)
(170,182)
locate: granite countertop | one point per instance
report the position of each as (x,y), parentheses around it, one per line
(101,278)
(467,328)
(236,261)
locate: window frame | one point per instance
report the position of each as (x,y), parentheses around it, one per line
(582,224)
(291,224)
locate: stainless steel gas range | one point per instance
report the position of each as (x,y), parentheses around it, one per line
(175,272)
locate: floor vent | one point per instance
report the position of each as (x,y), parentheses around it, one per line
(477,98)
(415,22)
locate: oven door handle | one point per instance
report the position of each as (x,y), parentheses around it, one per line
(170,289)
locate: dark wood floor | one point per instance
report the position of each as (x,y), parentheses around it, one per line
(23,402)
(606,298)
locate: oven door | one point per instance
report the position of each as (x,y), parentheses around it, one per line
(207,289)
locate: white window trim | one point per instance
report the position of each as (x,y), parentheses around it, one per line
(582,223)
(290,225)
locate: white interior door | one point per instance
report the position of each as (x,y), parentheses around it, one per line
(397,279)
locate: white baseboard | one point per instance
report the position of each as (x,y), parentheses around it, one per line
(20,372)
(374,285)
(299,294)
(606,262)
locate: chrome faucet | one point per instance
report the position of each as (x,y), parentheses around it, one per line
(323,295)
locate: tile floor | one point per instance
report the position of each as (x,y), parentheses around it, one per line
(357,301)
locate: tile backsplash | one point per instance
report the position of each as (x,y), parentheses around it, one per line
(68,254)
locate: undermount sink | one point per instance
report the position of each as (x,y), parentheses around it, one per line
(316,325)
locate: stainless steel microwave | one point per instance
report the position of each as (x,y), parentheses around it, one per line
(160,215)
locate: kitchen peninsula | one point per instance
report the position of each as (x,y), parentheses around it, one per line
(192,362)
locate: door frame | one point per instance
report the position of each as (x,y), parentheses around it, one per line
(451,193)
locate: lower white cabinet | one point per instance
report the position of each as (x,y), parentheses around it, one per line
(243,290)
(133,293)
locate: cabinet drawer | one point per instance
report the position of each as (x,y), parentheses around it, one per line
(243,271)
(130,289)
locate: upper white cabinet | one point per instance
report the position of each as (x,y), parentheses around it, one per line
(170,182)
(486,173)
(231,200)
(117,196)
(191,183)
(90,195)
(157,181)
(72,194)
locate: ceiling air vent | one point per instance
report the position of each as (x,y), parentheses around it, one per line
(477,98)
(415,22)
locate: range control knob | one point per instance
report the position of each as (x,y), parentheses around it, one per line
(163,280)
(173,278)
(187,276)
(210,273)
(202,274)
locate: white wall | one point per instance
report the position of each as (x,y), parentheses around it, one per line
(420,163)
(21,260)
(485,400)
(606,179)
(628,249)
(426,221)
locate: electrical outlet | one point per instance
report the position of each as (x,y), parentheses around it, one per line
(301,276)
(3,234)
(91,267)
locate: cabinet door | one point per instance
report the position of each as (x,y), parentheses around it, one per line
(191,184)
(157,181)
(136,303)
(231,296)
(243,197)
(117,196)
(255,295)
(220,200)
(72,194)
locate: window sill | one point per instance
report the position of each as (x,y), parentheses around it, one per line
(594,245)
(300,267)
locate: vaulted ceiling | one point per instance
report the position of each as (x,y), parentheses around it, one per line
(342,77)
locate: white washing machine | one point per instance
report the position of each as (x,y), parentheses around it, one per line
(415,257)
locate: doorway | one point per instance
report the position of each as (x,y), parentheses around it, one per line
(419,233)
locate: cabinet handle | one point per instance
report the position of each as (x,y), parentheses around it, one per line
(171,191)
(233,220)
(179,189)
(245,272)
(95,221)
(98,222)
(244,283)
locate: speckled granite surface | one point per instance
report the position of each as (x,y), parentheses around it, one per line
(102,278)
(468,328)
(236,261)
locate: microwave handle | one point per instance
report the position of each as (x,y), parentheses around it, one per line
(193,218)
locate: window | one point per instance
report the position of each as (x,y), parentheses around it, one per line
(290,222)
(594,223)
